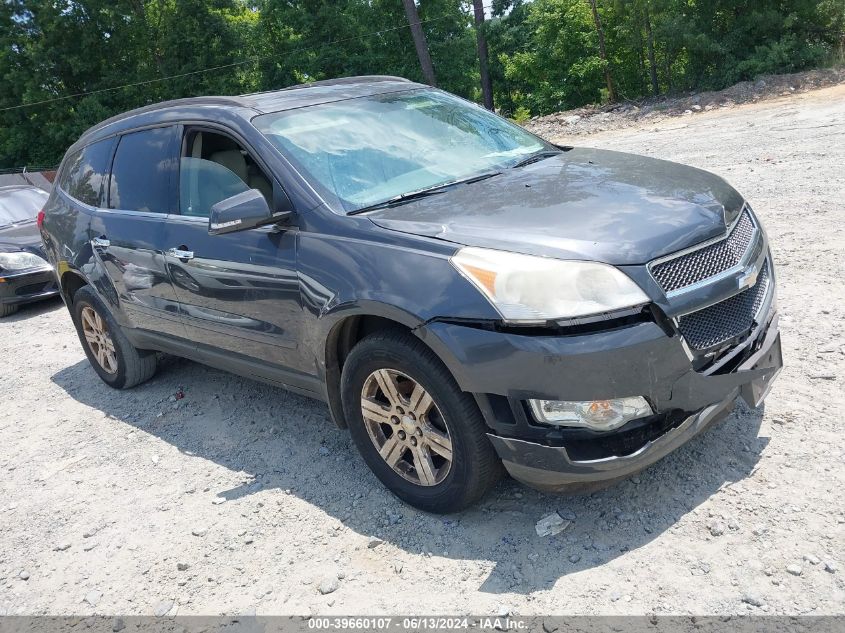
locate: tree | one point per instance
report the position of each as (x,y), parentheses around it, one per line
(486,85)
(420,42)
(652,65)
(611,91)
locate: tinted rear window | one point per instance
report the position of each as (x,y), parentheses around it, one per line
(85,171)
(20,205)
(141,173)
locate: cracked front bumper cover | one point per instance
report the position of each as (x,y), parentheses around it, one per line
(503,370)
(551,468)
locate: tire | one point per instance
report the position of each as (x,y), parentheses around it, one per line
(421,476)
(129,366)
(6,309)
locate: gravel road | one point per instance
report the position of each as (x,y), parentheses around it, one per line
(203,493)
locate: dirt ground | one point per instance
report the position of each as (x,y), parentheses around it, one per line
(241,498)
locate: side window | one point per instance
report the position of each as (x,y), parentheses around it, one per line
(142,170)
(85,172)
(203,183)
(214,167)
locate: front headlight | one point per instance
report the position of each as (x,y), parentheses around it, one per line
(21,261)
(529,289)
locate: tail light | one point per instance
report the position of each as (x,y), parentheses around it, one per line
(40,219)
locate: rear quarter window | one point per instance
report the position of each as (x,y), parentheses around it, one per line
(85,172)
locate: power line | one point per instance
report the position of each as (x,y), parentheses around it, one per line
(249,60)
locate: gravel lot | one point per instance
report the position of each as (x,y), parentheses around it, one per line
(241,498)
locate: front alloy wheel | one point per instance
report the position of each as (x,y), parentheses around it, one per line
(422,436)
(406,427)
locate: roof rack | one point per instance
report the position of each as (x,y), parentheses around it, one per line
(332,82)
(210,100)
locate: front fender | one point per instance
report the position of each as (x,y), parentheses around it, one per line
(344,277)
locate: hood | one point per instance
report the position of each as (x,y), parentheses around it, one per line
(583,204)
(21,237)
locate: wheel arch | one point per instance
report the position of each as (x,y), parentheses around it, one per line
(350,328)
(71,282)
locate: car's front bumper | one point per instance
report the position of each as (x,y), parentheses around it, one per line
(27,286)
(503,370)
(551,468)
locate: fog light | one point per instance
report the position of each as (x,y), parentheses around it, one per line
(599,415)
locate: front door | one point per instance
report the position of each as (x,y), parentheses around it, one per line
(128,235)
(239,291)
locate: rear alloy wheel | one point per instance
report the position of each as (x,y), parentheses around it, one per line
(419,433)
(99,340)
(113,357)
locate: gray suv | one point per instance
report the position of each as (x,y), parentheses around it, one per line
(466,297)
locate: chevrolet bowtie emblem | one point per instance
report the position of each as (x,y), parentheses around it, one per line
(748,277)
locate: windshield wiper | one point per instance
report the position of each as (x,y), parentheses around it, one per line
(536,156)
(402,198)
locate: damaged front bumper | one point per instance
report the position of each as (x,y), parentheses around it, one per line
(504,370)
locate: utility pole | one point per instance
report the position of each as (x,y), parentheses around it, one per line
(419,42)
(486,84)
(611,91)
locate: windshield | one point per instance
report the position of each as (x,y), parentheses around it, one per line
(20,205)
(368,150)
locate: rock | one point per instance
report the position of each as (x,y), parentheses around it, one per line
(753,599)
(23,575)
(687,112)
(549,626)
(551,524)
(812,559)
(696,107)
(374,543)
(162,608)
(795,570)
(93,597)
(574,558)
(831,566)
(503,610)
(616,596)
(328,585)
(572,120)
(199,531)
(717,528)
(90,532)
(118,625)
(61,547)
(182,566)
(325,452)
(398,566)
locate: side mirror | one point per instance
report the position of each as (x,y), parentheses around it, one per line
(245,210)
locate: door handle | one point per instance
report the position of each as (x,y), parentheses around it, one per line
(100,242)
(179,253)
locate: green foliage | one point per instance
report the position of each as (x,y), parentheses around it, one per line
(544,54)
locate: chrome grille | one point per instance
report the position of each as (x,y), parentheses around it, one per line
(708,261)
(727,319)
